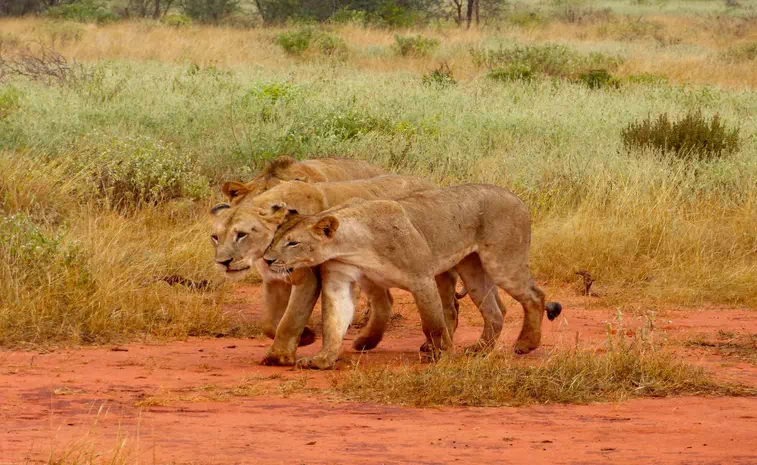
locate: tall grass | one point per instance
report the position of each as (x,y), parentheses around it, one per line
(113,176)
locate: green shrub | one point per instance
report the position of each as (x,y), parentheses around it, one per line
(692,137)
(440,77)
(83,11)
(295,42)
(743,52)
(414,45)
(177,21)
(393,15)
(298,41)
(598,79)
(10,99)
(515,72)
(348,16)
(547,59)
(139,169)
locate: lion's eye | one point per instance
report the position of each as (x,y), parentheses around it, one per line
(292,244)
(215,238)
(241,235)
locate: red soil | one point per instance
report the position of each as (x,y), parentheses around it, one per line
(86,399)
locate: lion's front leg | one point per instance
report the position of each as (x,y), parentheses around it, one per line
(292,326)
(338,309)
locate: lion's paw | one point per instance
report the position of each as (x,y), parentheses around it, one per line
(278,359)
(316,363)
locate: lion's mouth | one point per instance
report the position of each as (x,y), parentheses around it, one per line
(230,271)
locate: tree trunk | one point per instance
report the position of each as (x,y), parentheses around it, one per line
(478,18)
(156,11)
(459,8)
(470,11)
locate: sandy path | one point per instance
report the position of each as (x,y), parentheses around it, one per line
(86,399)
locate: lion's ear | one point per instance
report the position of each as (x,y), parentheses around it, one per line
(218,208)
(326,227)
(234,190)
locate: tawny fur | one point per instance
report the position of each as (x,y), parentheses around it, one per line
(290,297)
(481,231)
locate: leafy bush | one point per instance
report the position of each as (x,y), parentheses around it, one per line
(515,72)
(414,45)
(598,79)
(692,137)
(298,41)
(83,11)
(10,99)
(743,52)
(349,16)
(440,77)
(576,14)
(210,11)
(177,21)
(139,169)
(547,59)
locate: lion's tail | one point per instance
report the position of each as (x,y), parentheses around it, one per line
(553,310)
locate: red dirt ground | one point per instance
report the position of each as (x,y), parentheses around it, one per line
(150,398)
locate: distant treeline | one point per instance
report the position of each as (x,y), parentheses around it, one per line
(389,13)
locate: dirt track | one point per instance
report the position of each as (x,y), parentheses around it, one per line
(86,399)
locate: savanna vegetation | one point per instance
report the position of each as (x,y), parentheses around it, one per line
(627,126)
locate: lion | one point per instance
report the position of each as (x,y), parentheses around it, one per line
(319,170)
(481,231)
(243,230)
(286,168)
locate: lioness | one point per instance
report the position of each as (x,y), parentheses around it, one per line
(242,231)
(288,169)
(482,231)
(320,170)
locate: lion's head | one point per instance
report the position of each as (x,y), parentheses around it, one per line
(241,234)
(301,242)
(242,230)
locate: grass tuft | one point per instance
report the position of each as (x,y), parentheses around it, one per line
(620,371)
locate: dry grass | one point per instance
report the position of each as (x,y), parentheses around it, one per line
(680,47)
(742,346)
(618,372)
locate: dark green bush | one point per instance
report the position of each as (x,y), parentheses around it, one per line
(598,79)
(514,72)
(83,11)
(177,21)
(440,77)
(692,137)
(414,45)
(298,41)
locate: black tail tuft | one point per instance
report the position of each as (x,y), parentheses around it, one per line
(553,310)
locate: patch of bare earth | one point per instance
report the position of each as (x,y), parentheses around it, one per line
(210,402)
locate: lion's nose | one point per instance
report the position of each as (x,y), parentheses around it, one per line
(225,263)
